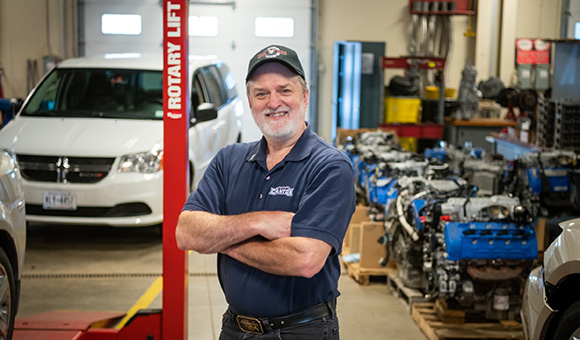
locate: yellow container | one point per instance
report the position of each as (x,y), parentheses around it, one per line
(409,143)
(432,92)
(402,110)
(450,92)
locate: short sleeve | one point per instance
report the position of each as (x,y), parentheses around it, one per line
(327,205)
(210,193)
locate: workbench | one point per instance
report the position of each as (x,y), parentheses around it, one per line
(509,146)
(458,132)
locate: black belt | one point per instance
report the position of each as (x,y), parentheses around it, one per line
(255,325)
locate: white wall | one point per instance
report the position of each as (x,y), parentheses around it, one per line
(538,18)
(29,30)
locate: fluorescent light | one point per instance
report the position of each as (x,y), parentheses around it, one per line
(127,24)
(274,27)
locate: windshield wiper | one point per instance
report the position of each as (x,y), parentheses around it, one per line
(42,113)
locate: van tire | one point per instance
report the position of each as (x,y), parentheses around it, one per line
(569,324)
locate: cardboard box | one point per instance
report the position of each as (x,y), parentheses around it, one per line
(543,234)
(371,251)
(360,214)
(354,238)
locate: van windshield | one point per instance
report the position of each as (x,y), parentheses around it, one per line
(106,93)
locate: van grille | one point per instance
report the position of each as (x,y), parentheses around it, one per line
(64,169)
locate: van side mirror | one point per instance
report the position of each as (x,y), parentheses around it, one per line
(204,113)
(16,104)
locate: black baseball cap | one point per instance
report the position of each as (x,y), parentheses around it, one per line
(278,53)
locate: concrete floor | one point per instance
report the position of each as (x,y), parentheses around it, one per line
(108,269)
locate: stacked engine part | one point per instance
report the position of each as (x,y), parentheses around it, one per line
(545,123)
(474,251)
(488,174)
(567,125)
(370,152)
(558,124)
(545,182)
(458,221)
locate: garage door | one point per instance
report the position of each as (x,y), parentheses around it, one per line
(233,31)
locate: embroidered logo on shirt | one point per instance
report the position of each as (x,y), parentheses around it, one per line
(281,191)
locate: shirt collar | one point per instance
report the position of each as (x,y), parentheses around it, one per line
(300,150)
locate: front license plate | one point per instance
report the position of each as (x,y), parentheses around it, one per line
(58,200)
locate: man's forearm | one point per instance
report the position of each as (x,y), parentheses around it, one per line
(291,256)
(209,233)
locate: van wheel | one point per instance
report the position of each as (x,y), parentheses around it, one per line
(8,298)
(569,325)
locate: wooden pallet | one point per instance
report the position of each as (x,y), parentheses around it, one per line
(408,295)
(425,316)
(364,275)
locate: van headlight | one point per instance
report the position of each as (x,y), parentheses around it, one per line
(144,162)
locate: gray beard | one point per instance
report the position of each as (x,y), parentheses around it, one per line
(288,130)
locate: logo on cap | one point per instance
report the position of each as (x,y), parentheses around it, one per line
(272,52)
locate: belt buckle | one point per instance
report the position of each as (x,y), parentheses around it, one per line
(250,325)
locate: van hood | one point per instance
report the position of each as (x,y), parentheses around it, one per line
(88,137)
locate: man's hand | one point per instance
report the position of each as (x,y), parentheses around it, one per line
(273,224)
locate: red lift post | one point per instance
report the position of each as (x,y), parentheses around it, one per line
(176,123)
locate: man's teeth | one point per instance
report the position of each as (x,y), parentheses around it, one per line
(277,114)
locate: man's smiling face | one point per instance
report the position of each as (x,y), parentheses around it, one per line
(278,101)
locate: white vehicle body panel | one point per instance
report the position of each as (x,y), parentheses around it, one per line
(562,258)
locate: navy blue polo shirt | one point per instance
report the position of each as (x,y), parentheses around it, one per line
(314,181)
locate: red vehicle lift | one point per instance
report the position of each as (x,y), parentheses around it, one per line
(171,321)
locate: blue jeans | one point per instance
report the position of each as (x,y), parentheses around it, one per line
(325,328)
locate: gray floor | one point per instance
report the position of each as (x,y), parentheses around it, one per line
(108,269)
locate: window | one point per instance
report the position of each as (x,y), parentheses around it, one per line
(229,82)
(274,27)
(128,24)
(577,31)
(105,93)
(203,26)
(196,93)
(213,83)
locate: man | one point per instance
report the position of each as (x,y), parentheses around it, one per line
(276,212)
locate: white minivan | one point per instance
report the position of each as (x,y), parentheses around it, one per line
(89,137)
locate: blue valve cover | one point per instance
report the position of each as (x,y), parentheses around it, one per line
(477,153)
(556,183)
(490,240)
(382,194)
(436,153)
(365,175)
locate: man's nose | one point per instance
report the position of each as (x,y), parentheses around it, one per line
(274,101)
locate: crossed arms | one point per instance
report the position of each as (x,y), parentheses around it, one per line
(259,239)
